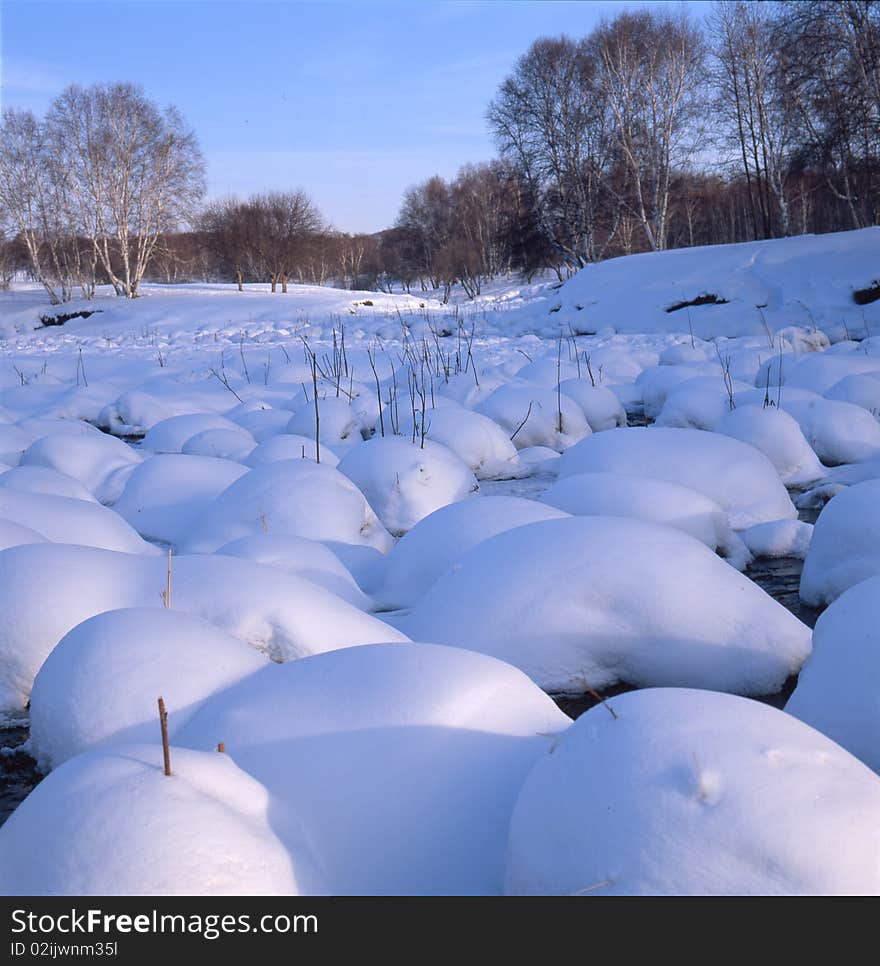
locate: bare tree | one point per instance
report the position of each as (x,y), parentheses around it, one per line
(134,173)
(652,69)
(551,118)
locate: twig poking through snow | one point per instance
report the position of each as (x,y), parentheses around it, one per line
(598,697)
(518,428)
(163,723)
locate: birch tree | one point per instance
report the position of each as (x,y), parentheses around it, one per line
(134,173)
(652,71)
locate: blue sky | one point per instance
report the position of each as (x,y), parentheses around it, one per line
(351,101)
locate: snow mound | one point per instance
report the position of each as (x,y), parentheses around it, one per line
(171,435)
(47,589)
(432,744)
(838,691)
(295,497)
(289,446)
(845,548)
(738,477)
(337,421)
(403,482)
(438,542)
(166,493)
(100,684)
(13,443)
(226,444)
(306,558)
(587,602)
(780,538)
(530,415)
(839,432)
(778,436)
(616,495)
(40,479)
(65,520)
(603,410)
(475,439)
(685,792)
(91,459)
(111,823)
(14,534)
(860,390)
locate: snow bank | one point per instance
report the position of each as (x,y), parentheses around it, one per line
(784,276)
(100,683)
(591,601)
(738,477)
(838,691)
(429,747)
(846,544)
(438,542)
(110,823)
(295,497)
(403,482)
(47,589)
(693,793)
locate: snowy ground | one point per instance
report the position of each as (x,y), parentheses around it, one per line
(369,613)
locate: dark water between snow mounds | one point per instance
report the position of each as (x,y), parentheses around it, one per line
(18,771)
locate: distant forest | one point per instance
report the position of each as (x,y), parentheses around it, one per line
(655,131)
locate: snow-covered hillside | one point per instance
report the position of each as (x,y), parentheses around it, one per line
(366,593)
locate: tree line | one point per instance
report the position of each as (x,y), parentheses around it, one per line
(654,131)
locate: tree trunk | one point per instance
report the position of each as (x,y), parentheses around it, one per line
(284,284)
(239,280)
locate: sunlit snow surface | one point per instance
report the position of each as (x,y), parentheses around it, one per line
(371,637)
